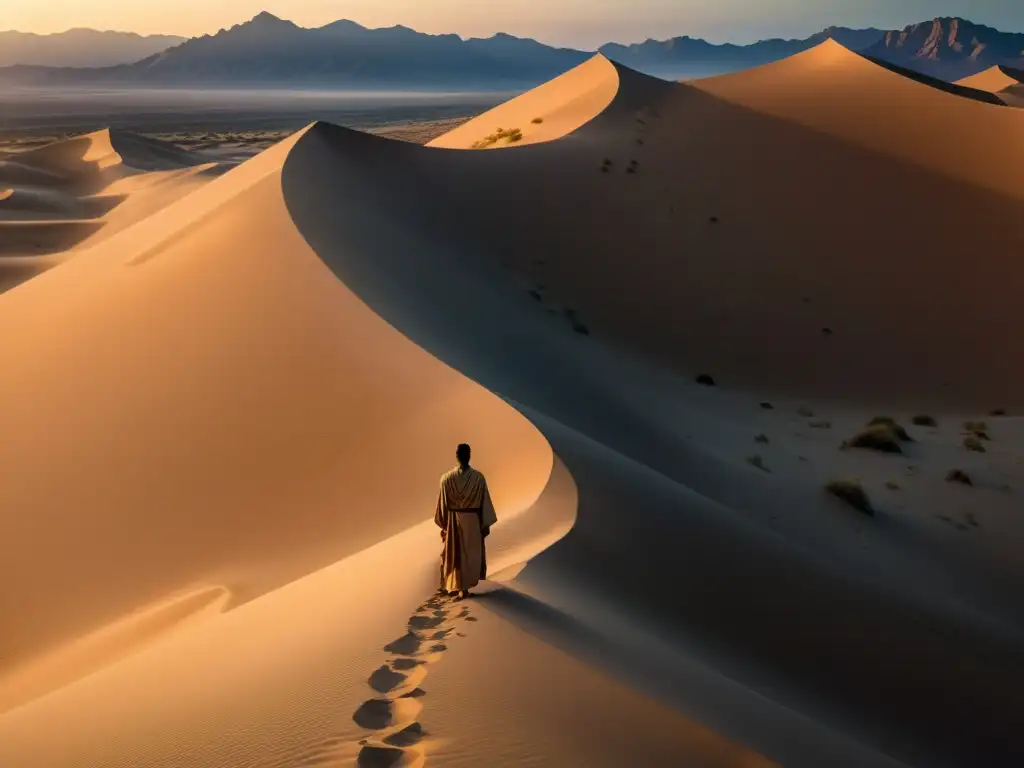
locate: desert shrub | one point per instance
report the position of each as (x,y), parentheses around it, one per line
(973,443)
(924,420)
(853,493)
(888,421)
(510,136)
(958,476)
(757,461)
(879,437)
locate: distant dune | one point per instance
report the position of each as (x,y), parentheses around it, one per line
(665,315)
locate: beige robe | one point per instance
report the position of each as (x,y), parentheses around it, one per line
(465,515)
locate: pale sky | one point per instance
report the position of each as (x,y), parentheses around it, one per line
(578,23)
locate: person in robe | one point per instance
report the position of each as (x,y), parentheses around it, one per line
(465,515)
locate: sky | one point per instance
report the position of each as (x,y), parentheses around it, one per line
(576,23)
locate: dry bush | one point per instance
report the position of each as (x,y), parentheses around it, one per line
(880,437)
(853,493)
(757,461)
(888,421)
(973,443)
(958,476)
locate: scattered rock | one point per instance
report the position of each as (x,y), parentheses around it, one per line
(977,427)
(853,493)
(763,439)
(804,411)
(766,406)
(973,443)
(537,120)
(998,412)
(892,486)
(631,169)
(706,380)
(535,295)
(713,219)
(827,332)
(973,520)
(820,424)
(958,476)
(640,142)
(924,420)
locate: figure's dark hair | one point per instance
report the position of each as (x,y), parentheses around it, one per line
(462,452)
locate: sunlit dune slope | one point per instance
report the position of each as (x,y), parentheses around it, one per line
(994,79)
(219,410)
(82,190)
(543,114)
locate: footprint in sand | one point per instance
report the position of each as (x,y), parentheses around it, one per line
(396,733)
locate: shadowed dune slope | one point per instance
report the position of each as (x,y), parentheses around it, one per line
(266,369)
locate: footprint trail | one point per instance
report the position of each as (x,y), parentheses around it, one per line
(395,736)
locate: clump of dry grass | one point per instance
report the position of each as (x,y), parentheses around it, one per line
(853,493)
(958,476)
(706,380)
(879,437)
(973,443)
(510,136)
(757,461)
(924,420)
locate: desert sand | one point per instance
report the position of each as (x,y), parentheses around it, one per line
(1005,82)
(227,417)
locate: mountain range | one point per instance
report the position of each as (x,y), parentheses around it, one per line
(80,48)
(268,50)
(949,48)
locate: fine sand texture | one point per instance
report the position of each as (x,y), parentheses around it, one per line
(1006,83)
(736,356)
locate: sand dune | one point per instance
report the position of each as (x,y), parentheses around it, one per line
(82,190)
(994,79)
(252,390)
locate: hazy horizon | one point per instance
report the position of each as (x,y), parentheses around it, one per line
(584,24)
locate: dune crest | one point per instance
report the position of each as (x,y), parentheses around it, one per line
(546,113)
(994,79)
(79,191)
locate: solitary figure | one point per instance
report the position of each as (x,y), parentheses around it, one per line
(465,515)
